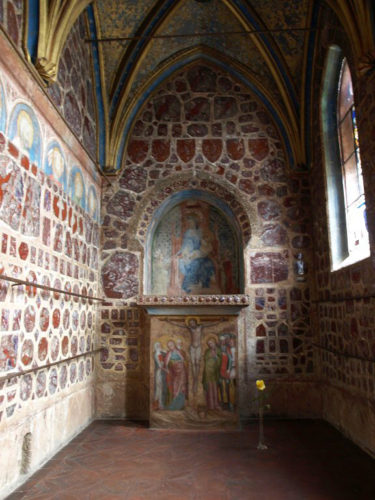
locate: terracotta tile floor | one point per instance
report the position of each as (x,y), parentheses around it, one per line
(306,460)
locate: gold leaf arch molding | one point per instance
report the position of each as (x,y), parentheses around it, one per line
(56,19)
(355,17)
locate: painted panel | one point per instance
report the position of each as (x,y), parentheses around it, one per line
(194,251)
(193,372)
(92,203)
(3,112)
(35,140)
(55,164)
(77,187)
(24,132)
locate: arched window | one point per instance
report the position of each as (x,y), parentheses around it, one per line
(346,199)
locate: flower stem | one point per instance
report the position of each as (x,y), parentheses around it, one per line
(261,445)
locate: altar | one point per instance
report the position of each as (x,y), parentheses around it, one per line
(193,361)
(193,283)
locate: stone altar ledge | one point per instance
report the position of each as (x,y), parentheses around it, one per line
(201,304)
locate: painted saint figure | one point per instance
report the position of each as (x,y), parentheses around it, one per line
(160,382)
(176,378)
(194,250)
(56,162)
(195,262)
(180,347)
(211,374)
(25,131)
(227,371)
(195,329)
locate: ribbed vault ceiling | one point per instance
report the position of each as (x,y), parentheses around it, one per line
(137,44)
(271,56)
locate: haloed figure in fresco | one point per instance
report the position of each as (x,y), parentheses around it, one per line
(195,256)
(195,250)
(160,380)
(227,379)
(177,377)
(211,374)
(195,328)
(56,163)
(25,131)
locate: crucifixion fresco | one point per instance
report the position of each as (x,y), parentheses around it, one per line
(193,370)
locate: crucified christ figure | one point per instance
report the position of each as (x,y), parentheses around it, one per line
(195,328)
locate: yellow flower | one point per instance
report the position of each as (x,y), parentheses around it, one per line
(260,385)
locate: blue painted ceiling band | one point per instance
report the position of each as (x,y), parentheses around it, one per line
(33,28)
(98,85)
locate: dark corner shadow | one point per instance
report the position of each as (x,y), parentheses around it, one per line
(126,422)
(313,456)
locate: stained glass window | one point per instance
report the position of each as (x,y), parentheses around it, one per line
(346,207)
(355,205)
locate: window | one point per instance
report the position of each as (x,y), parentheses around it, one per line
(349,239)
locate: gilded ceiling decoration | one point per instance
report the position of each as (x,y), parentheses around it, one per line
(160,29)
(211,18)
(119,22)
(281,15)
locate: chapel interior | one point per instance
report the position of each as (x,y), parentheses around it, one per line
(187,243)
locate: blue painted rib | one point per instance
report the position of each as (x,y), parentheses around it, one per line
(308,81)
(33,28)
(242,8)
(135,53)
(240,5)
(98,85)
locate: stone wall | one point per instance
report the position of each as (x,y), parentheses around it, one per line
(48,235)
(344,312)
(73,92)
(204,131)
(12,19)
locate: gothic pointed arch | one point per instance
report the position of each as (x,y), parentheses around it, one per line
(122,128)
(356,17)
(248,19)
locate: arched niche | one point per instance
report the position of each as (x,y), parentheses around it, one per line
(193,246)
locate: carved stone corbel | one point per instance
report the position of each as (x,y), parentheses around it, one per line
(46,69)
